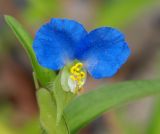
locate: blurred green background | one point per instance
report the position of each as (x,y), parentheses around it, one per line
(138,19)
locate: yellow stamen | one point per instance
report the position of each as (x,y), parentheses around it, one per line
(77,69)
(78,75)
(73,70)
(79,65)
(83,74)
(78,78)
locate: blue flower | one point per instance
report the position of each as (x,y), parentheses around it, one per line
(102,51)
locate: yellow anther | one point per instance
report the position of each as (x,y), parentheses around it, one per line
(83,74)
(77,69)
(79,65)
(78,78)
(73,69)
(77,75)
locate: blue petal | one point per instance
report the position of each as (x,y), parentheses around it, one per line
(105,51)
(55,42)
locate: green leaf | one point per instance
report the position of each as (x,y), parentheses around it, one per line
(62,97)
(48,114)
(43,75)
(91,105)
(154,123)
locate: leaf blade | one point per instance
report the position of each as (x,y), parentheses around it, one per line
(48,114)
(62,97)
(154,123)
(92,104)
(43,75)
(24,38)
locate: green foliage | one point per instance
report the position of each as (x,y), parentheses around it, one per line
(43,75)
(48,114)
(61,96)
(89,106)
(154,123)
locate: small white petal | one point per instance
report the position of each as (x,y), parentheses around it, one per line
(72,84)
